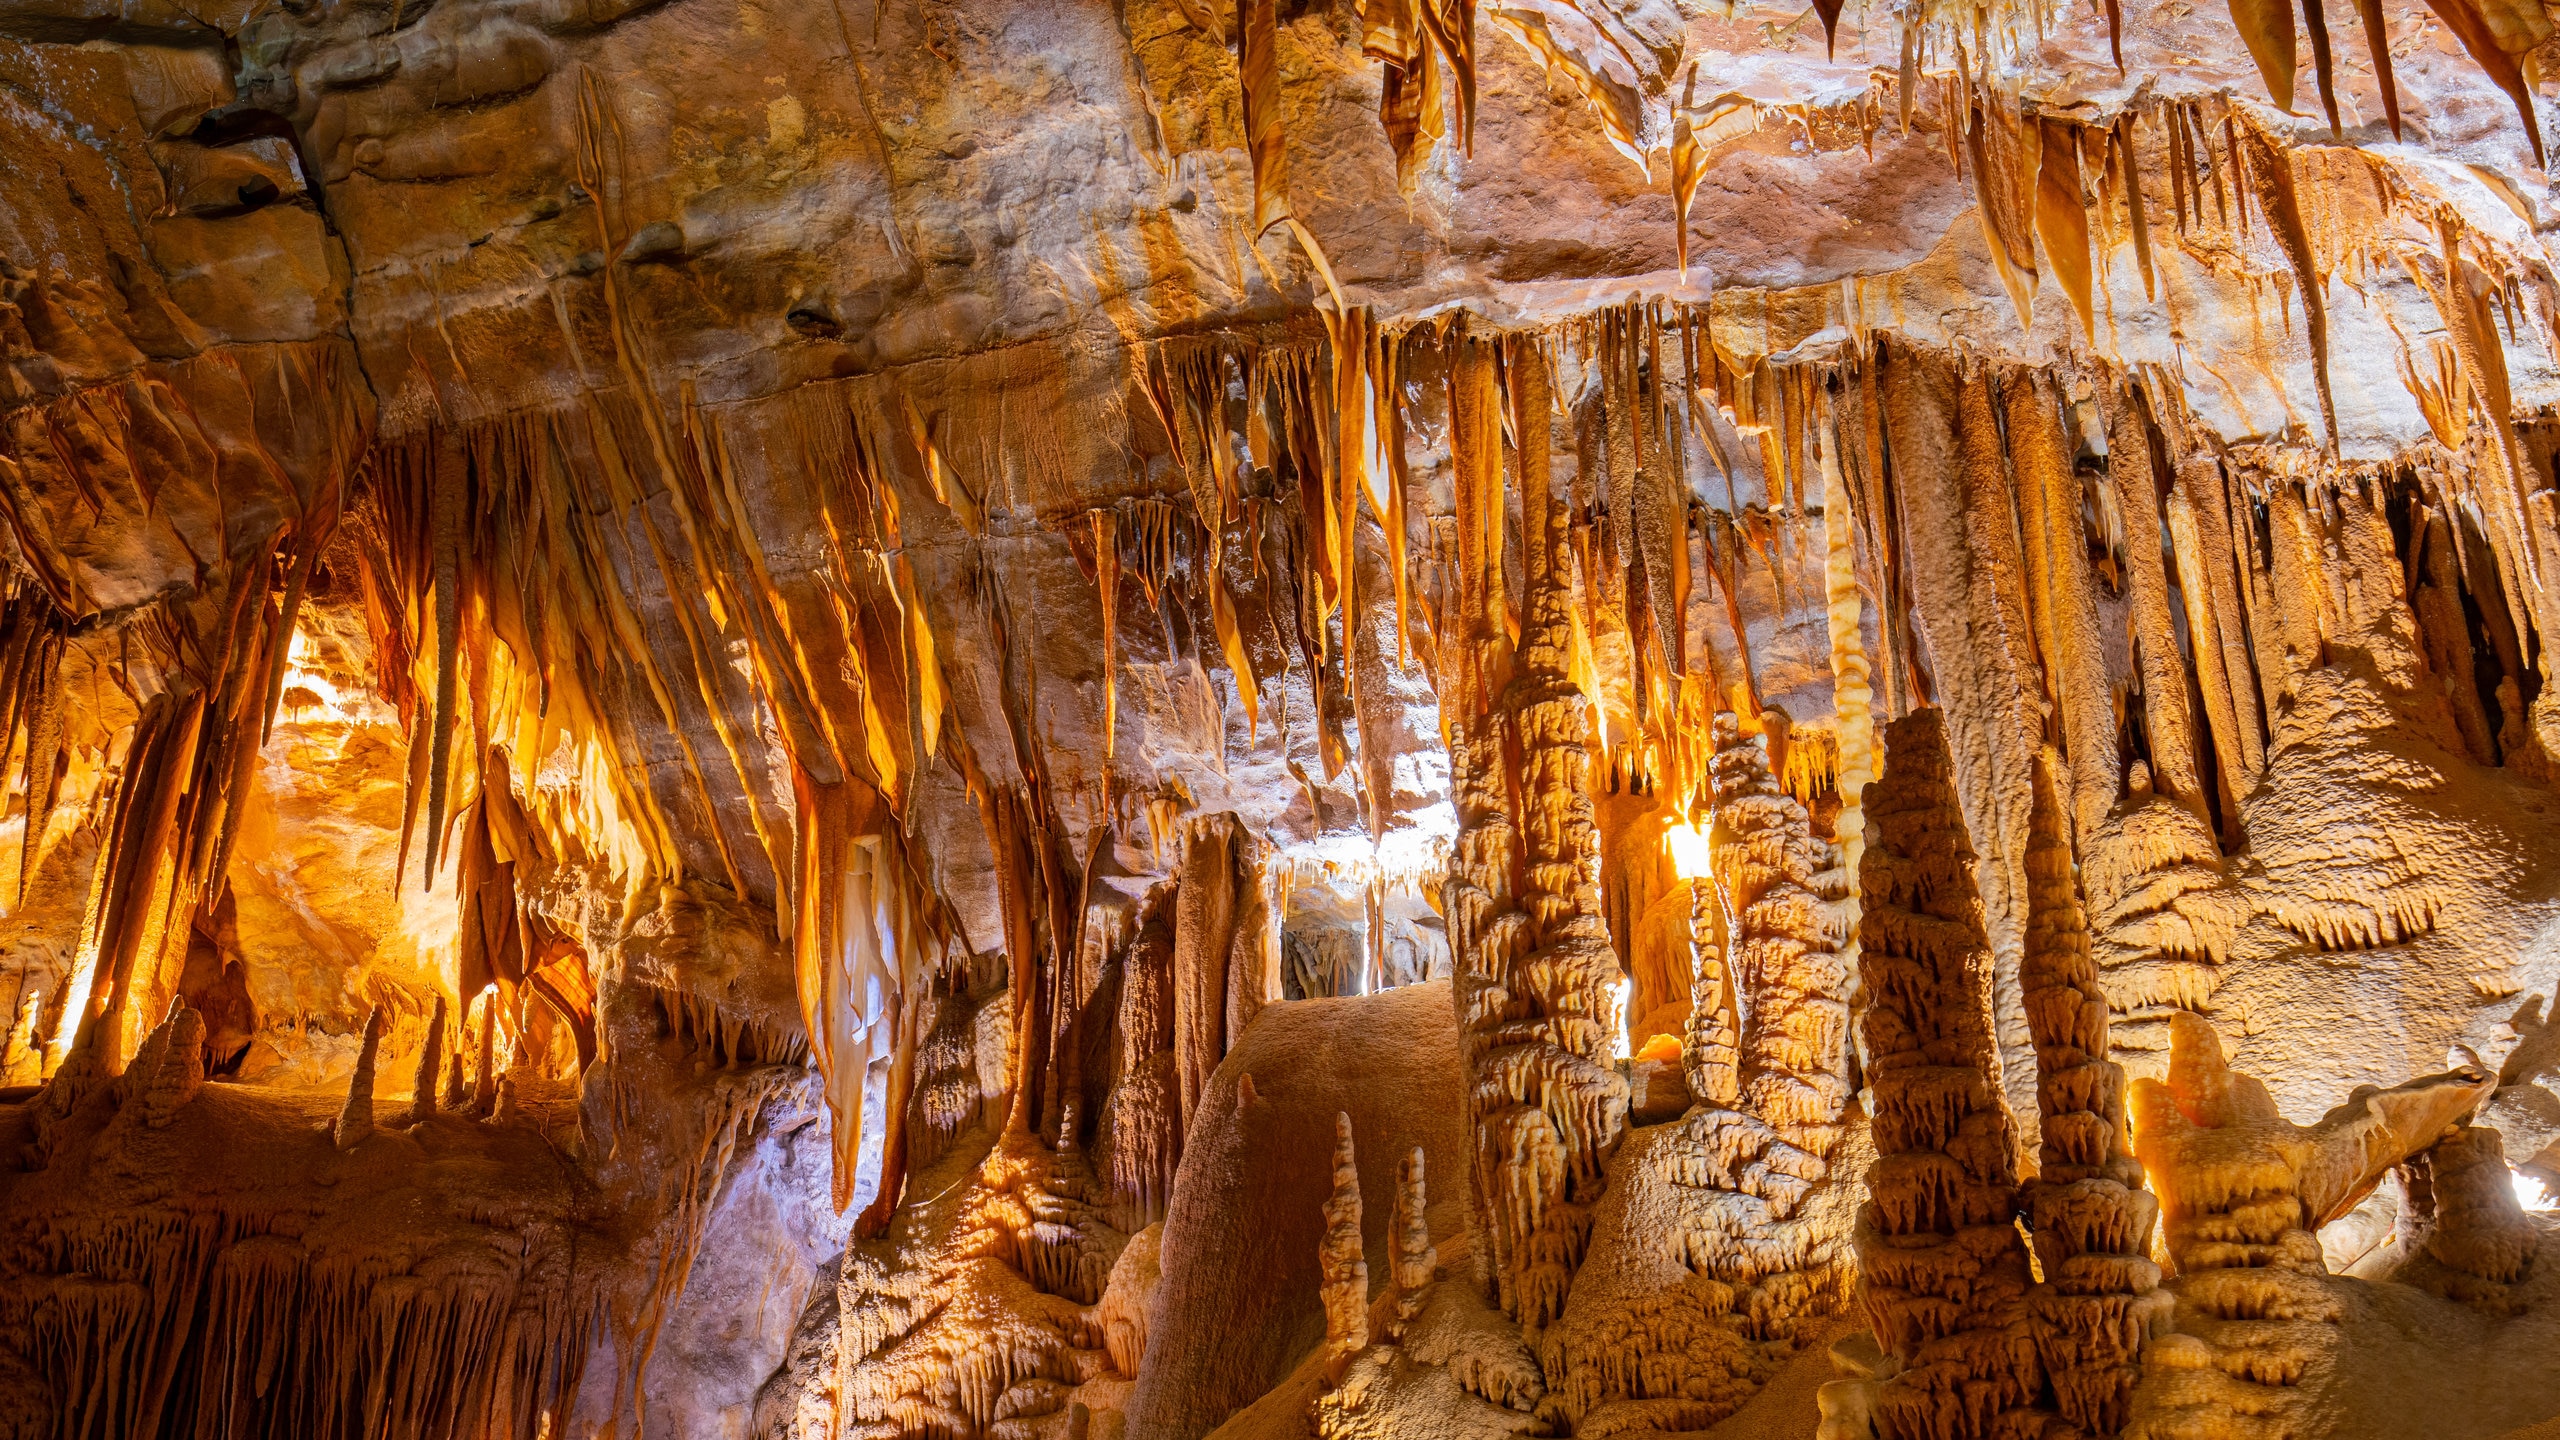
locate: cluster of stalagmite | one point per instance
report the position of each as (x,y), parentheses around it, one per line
(2243,1192)
(1775,1059)
(1728,1228)
(2088,1213)
(1535,970)
(1944,1273)
(1781,887)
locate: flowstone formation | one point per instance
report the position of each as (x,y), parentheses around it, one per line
(1356,718)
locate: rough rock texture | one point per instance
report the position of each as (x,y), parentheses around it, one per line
(933,626)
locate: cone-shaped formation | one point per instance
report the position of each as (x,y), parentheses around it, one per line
(1945,1273)
(1416,1258)
(1341,1259)
(355,1122)
(484,1090)
(169,1068)
(2090,1217)
(422,1103)
(1711,1042)
(1145,1143)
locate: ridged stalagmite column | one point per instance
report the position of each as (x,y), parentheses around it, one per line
(1341,1260)
(1772,872)
(1536,973)
(1944,1271)
(2087,1207)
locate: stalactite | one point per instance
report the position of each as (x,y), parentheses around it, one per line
(355,1122)
(2089,1215)
(1852,699)
(1106,583)
(864,943)
(484,1088)
(1944,1273)
(1344,1265)
(1217,940)
(2075,657)
(2062,215)
(2001,148)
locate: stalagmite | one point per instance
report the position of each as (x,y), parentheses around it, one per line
(422,1104)
(1711,1041)
(1345,1266)
(355,1122)
(1944,1273)
(484,1089)
(176,1069)
(1409,1233)
(1146,1107)
(2470,1223)
(1535,969)
(2088,1213)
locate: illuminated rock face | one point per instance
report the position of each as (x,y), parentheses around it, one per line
(864,721)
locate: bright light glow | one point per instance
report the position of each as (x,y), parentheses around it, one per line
(1689,851)
(300,659)
(2531,1193)
(1662,1049)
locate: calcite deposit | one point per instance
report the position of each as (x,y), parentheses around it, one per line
(1313,718)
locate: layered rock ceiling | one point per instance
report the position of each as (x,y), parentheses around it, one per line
(1374,719)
